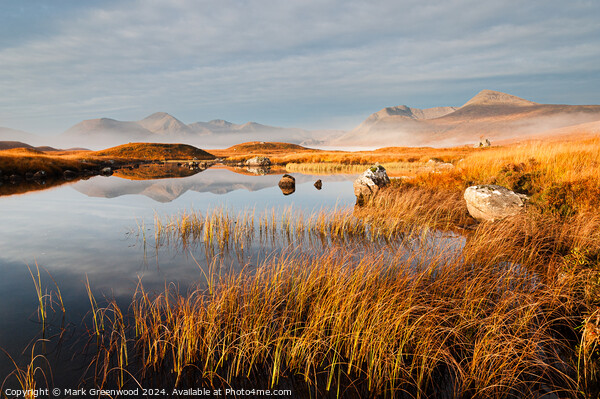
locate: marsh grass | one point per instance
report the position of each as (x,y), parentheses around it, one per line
(28,377)
(326,168)
(392,325)
(371,303)
(512,315)
(47,299)
(221,231)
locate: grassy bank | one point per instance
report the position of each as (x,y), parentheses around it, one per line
(373,305)
(514,315)
(411,324)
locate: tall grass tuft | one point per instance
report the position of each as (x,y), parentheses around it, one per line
(393,324)
(27,377)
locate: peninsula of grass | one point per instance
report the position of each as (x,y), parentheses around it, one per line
(154,151)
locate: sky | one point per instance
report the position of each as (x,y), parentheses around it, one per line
(296,63)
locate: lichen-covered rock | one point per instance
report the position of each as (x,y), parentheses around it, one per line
(258,161)
(490,202)
(370,182)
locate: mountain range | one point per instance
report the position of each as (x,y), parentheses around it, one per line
(494,115)
(497,116)
(162,127)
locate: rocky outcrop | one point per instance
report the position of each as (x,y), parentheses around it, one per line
(287,184)
(370,182)
(258,161)
(438,165)
(483,143)
(490,202)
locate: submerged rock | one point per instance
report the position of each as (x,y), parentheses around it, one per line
(490,202)
(318,184)
(258,161)
(288,190)
(370,182)
(287,181)
(287,184)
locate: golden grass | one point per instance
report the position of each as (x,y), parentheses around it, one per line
(150,172)
(556,162)
(372,304)
(37,369)
(284,153)
(154,151)
(390,324)
(497,319)
(393,168)
(262,148)
(19,162)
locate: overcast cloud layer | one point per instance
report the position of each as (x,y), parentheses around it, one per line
(300,63)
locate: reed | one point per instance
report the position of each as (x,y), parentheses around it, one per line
(97,312)
(373,303)
(326,168)
(42,298)
(27,377)
(391,324)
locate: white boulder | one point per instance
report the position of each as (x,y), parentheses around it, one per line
(370,182)
(258,161)
(490,202)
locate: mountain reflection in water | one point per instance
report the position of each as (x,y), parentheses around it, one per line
(215,181)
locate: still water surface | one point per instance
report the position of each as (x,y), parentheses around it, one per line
(94,229)
(102,230)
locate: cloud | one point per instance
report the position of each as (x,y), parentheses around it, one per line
(286,61)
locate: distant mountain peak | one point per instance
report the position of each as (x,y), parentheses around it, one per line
(411,113)
(491,97)
(164,124)
(158,115)
(220,122)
